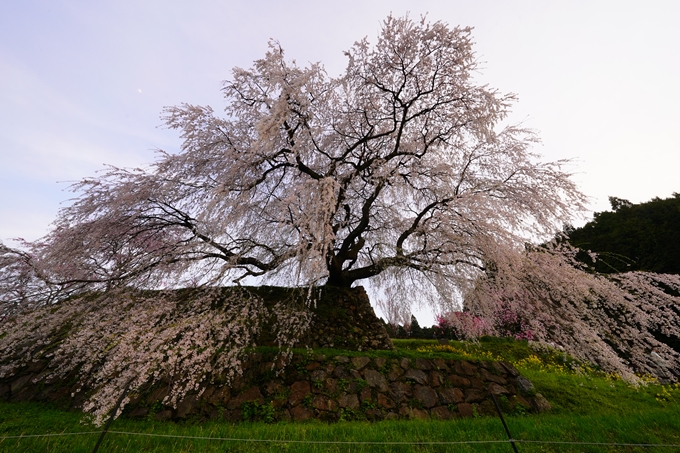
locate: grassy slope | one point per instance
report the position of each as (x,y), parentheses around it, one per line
(588,407)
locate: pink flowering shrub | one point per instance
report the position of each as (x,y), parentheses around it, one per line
(510,323)
(461,325)
(613,321)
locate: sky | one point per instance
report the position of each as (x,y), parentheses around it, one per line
(82,83)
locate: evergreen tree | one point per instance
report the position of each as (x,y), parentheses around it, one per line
(416,330)
(401,332)
(633,237)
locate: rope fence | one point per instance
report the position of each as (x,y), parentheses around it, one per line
(513,442)
(349,442)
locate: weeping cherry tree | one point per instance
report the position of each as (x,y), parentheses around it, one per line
(395,175)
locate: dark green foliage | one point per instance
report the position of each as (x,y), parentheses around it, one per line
(413,331)
(427,332)
(253,411)
(401,332)
(416,330)
(633,237)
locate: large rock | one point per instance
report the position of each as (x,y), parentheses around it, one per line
(252,394)
(349,401)
(376,379)
(450,395)
(540,404)
(416,375)
(426,395)
(298,392)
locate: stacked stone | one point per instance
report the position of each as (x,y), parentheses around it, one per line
(344,319)
(329,389)
(365,388)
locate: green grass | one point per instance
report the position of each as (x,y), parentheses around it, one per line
(489,348)
(588,406)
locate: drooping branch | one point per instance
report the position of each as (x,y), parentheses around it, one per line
(394,164)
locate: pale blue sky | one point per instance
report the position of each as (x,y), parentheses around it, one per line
(82,83)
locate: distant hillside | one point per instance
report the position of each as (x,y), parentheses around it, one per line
(633,237)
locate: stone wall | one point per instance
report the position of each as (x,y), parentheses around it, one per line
(327,388)
(344,319)
(316,386)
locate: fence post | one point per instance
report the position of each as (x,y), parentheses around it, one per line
(500,414)
(113,415)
